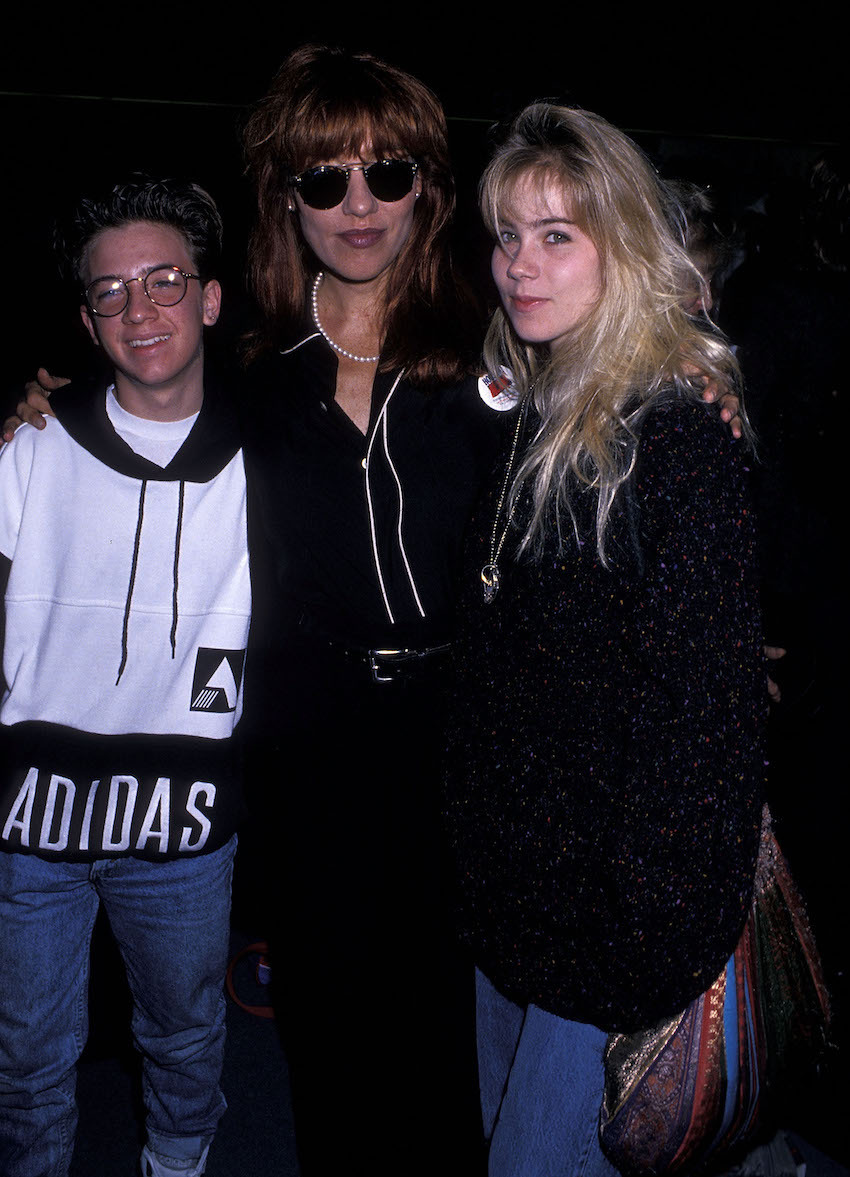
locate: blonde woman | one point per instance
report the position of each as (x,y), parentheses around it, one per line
(605,758)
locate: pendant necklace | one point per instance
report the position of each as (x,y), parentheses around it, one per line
(314,302)
(490,575)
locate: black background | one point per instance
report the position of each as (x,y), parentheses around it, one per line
(737,98)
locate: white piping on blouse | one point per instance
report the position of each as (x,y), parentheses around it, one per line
(382,421)
(289,350)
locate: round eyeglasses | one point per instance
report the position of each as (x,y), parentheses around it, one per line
(325,186)
(165,286)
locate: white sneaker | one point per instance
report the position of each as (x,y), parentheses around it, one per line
(153,1166)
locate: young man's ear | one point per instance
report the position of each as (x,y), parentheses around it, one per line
(88,322)
(211,302)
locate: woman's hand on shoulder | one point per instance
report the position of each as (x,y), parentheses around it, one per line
(35,406)
(716,392)
(730,405)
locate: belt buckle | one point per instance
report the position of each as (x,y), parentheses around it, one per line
(381,670)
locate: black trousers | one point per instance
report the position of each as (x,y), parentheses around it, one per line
(374,997)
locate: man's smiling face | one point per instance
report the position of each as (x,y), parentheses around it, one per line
(157,351)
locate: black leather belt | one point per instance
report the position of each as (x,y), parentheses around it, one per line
(383,664)
(387,666)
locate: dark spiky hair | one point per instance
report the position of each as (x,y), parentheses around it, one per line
(182,205)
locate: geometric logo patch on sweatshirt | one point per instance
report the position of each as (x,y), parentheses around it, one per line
(218,676)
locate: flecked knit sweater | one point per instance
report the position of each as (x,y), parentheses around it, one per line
(605,756)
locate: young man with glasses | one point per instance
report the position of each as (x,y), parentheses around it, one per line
(123,545)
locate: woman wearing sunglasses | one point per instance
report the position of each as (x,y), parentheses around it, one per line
(372,443)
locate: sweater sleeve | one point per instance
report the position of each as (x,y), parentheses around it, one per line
(15,464)
(691,793)
(16,459)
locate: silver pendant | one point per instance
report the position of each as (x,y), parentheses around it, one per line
(490,581)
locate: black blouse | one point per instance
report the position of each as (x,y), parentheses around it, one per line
(362,535)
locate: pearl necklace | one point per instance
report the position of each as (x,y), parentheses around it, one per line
(490,575)
(314,300)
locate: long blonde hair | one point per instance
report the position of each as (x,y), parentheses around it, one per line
(592,387)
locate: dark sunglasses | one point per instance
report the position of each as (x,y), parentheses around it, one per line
(325,186)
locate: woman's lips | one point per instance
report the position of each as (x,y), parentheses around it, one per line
(525,303)
(362,238)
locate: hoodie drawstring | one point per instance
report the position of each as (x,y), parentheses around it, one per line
(135,564)
(130,586)
(177,535)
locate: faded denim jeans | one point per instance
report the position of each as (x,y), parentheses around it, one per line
(541,1080)
(171,923)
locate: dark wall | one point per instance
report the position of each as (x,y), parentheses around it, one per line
(94,93)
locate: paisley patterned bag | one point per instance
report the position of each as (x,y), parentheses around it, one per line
(696,1090)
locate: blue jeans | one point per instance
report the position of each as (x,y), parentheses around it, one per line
(541,1081)
(171,923)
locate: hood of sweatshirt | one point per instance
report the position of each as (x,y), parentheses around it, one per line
(212,443)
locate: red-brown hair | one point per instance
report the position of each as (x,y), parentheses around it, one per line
(325,103)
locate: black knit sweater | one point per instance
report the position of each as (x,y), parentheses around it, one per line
(606,765)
